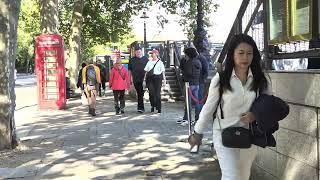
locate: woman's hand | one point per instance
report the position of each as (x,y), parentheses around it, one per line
(195,139)
(247,117)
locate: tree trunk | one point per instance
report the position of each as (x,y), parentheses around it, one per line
(200,35)
(49,16)
(9,15)
(74,58)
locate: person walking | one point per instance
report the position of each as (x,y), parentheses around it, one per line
(240,81)
(191,71)
(154,74)
(119,82)
(79,82)
(91,80)
(103,75)
(136,72)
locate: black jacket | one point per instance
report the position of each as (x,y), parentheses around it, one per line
(268,110)
(79,82)
(136,66)
(103,73)
(191,70)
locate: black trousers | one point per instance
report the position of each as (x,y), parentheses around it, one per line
(154,86)
(140,93)
(119,96)
(103,85)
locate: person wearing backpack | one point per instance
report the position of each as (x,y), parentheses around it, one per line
(91,81)
(119,81)
(191,71)
(154,74)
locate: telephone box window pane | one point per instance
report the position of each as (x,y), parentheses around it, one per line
(51,53)
(51,96)
(51,78)
(51,84)
(50,59)
(300,17)
(51,72)
(51,90)
(51,66)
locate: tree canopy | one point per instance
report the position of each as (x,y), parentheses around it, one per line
(28,28)
(104,21)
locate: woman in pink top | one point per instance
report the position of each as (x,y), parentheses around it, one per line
(119,82)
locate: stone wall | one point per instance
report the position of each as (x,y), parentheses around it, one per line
(296,156)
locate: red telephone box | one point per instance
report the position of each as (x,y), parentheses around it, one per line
(50,72)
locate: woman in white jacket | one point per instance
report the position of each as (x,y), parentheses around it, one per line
(241,78)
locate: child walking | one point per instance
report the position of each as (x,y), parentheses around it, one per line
(119,82)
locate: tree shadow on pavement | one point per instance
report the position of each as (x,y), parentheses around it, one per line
(72,144)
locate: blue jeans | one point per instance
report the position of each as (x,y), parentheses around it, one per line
(195,93)
(201,93)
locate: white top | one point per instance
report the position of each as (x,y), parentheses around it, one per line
(158,69)
(234,103)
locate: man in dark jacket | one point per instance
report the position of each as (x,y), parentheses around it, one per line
(79,83)
(191,71)
(136,72)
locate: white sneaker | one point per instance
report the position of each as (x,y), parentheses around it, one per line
(179,121)
(184,122)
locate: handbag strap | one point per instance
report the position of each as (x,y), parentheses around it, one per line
(219,103)
(121,74)
(220,106)
(154,65)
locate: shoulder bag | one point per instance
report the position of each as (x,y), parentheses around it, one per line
(151,73)
(233,137)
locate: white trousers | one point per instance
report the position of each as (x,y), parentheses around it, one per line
(235,163)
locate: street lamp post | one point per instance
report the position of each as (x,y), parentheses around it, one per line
(144,17)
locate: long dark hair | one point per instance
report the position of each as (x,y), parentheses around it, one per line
(259,79)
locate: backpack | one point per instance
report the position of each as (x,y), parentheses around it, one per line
(91,76)
(191,68)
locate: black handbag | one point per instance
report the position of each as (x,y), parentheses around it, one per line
(233,137)
(150,73)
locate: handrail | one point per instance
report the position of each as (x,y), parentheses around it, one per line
(255,12)
(236,28)
(177,59)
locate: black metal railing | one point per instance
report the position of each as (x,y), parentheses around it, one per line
(252,15)
(177,58)
(236,28)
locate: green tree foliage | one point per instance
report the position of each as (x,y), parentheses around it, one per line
(104,21)
(28,28)
(188,12)
(108,21)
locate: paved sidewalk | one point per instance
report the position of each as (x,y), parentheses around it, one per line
(70,144)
